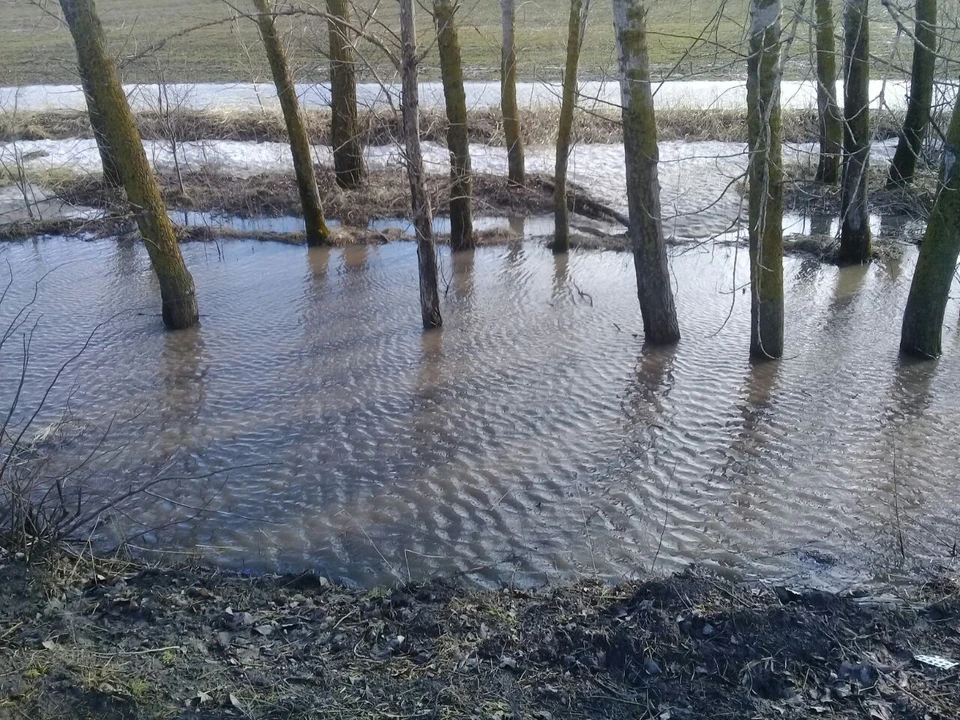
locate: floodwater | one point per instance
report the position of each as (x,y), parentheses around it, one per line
(308,422)
(679,94)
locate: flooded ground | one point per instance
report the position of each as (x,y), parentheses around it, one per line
(700,181)
(309,423)
(688,94)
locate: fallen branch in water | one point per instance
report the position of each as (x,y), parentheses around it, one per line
(582,204)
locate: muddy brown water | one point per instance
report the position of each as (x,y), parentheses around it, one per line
(534,438)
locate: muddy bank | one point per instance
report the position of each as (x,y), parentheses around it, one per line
(384,196)
(123,641)
(382,127)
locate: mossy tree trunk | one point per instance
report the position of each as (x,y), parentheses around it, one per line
(642,155)
(344,131)
(111,175)
(917,120)
(316,225)
(937,264)
(766,181)
(578,19)
(451,72)
(177,292)
(419,200)
(829,117)
(855,221)
(516,172)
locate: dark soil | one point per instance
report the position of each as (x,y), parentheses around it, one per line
(116,641)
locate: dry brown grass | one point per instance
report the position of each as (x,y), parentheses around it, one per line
(382,127)
(385,195)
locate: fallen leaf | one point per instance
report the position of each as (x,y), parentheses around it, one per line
(199,699)
(237,704)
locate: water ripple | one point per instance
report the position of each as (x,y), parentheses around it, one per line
(534,436)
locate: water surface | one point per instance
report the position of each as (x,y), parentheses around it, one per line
(671,94)
(316,426)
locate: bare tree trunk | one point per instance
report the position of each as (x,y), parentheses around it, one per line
(516,172)
(855,229)
(347,149)
(930,290)
(766,181)
(641,153)
(917,121)
(830,119)
(578,19)
(451,72)
(316,225)
(177,293)
(420,201)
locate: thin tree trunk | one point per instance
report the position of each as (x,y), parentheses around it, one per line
(578,18)
(930,290)
(654,289)
(830,119)
(420,201)
(766,181)
(917,120)
(316,225)
(451,72)
(177,293)
(347,148)
(855,228)
(516,172)
(170,126)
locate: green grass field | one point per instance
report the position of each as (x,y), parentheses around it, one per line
(35,47)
